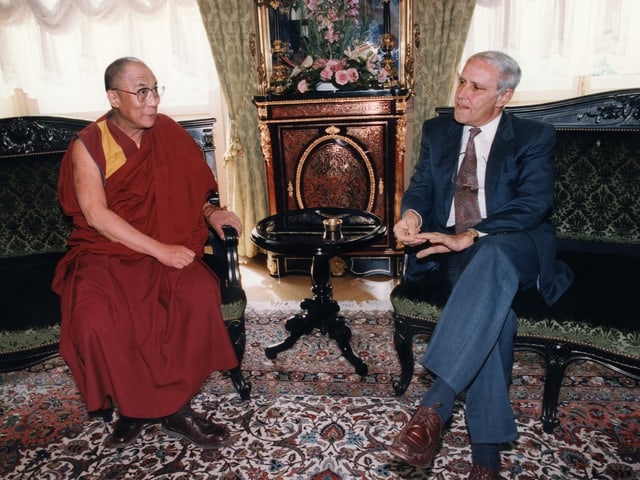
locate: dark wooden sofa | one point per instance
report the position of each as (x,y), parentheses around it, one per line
(33,232)
(597,215)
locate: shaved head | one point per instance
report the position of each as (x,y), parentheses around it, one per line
(116,69)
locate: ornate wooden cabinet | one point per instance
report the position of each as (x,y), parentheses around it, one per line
(336,150)
(334,80)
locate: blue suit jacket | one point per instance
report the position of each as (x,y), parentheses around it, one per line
(519,187)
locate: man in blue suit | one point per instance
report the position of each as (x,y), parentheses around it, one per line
(487,228)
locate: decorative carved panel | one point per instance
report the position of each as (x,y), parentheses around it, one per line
(330,161)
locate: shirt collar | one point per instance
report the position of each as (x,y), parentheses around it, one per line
(488,130)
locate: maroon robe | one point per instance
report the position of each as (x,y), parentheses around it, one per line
(136,333)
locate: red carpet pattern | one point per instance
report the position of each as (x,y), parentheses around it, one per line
(312,417)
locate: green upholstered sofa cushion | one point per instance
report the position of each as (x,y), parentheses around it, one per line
(603,337)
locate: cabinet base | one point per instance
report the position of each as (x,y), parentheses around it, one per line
(362,265)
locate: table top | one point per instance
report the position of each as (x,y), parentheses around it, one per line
(303,231)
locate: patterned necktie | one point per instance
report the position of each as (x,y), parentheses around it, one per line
(467,209)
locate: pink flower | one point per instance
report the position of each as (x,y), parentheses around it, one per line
(303,86)
(382,75)
(331,36)
(320,63)
(353,75)
(334,65)
(326,74)
(343,77)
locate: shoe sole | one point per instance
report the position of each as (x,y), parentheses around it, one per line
(400,455)
(207,446)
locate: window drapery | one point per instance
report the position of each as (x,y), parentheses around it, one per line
(54,53)
(565,48)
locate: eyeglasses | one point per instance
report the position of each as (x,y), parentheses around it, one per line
(144,93)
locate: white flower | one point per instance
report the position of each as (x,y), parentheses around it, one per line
(307,62)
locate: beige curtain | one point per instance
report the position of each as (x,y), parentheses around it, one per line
(53,54)
(229,25)
(442,27)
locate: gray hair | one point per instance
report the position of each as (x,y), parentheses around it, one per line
(115,70)
(508,68)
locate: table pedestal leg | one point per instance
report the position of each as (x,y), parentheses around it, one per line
(322,313)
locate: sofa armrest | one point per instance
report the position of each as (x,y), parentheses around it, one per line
(230,243)
(225,251)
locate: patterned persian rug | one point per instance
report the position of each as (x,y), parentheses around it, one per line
(311,417)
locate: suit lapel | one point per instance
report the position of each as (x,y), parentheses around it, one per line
(451,149)
(500,151)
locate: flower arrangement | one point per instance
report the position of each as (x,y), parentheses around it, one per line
(337,52)
(358,69)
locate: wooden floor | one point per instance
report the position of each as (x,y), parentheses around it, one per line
(262,287)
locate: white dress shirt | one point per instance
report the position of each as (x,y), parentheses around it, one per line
(483,143)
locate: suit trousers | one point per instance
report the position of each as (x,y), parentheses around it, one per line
(471,348)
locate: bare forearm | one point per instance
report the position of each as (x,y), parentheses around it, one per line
(115,228)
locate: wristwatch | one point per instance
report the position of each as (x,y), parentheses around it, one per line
(473,233)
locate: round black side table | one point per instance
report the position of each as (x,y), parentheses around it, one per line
(320,233)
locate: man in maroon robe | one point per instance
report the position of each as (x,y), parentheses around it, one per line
(141,321)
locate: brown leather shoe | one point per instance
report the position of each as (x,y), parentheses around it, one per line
(483,473)
(125,432)
(417,443)
(195,428)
